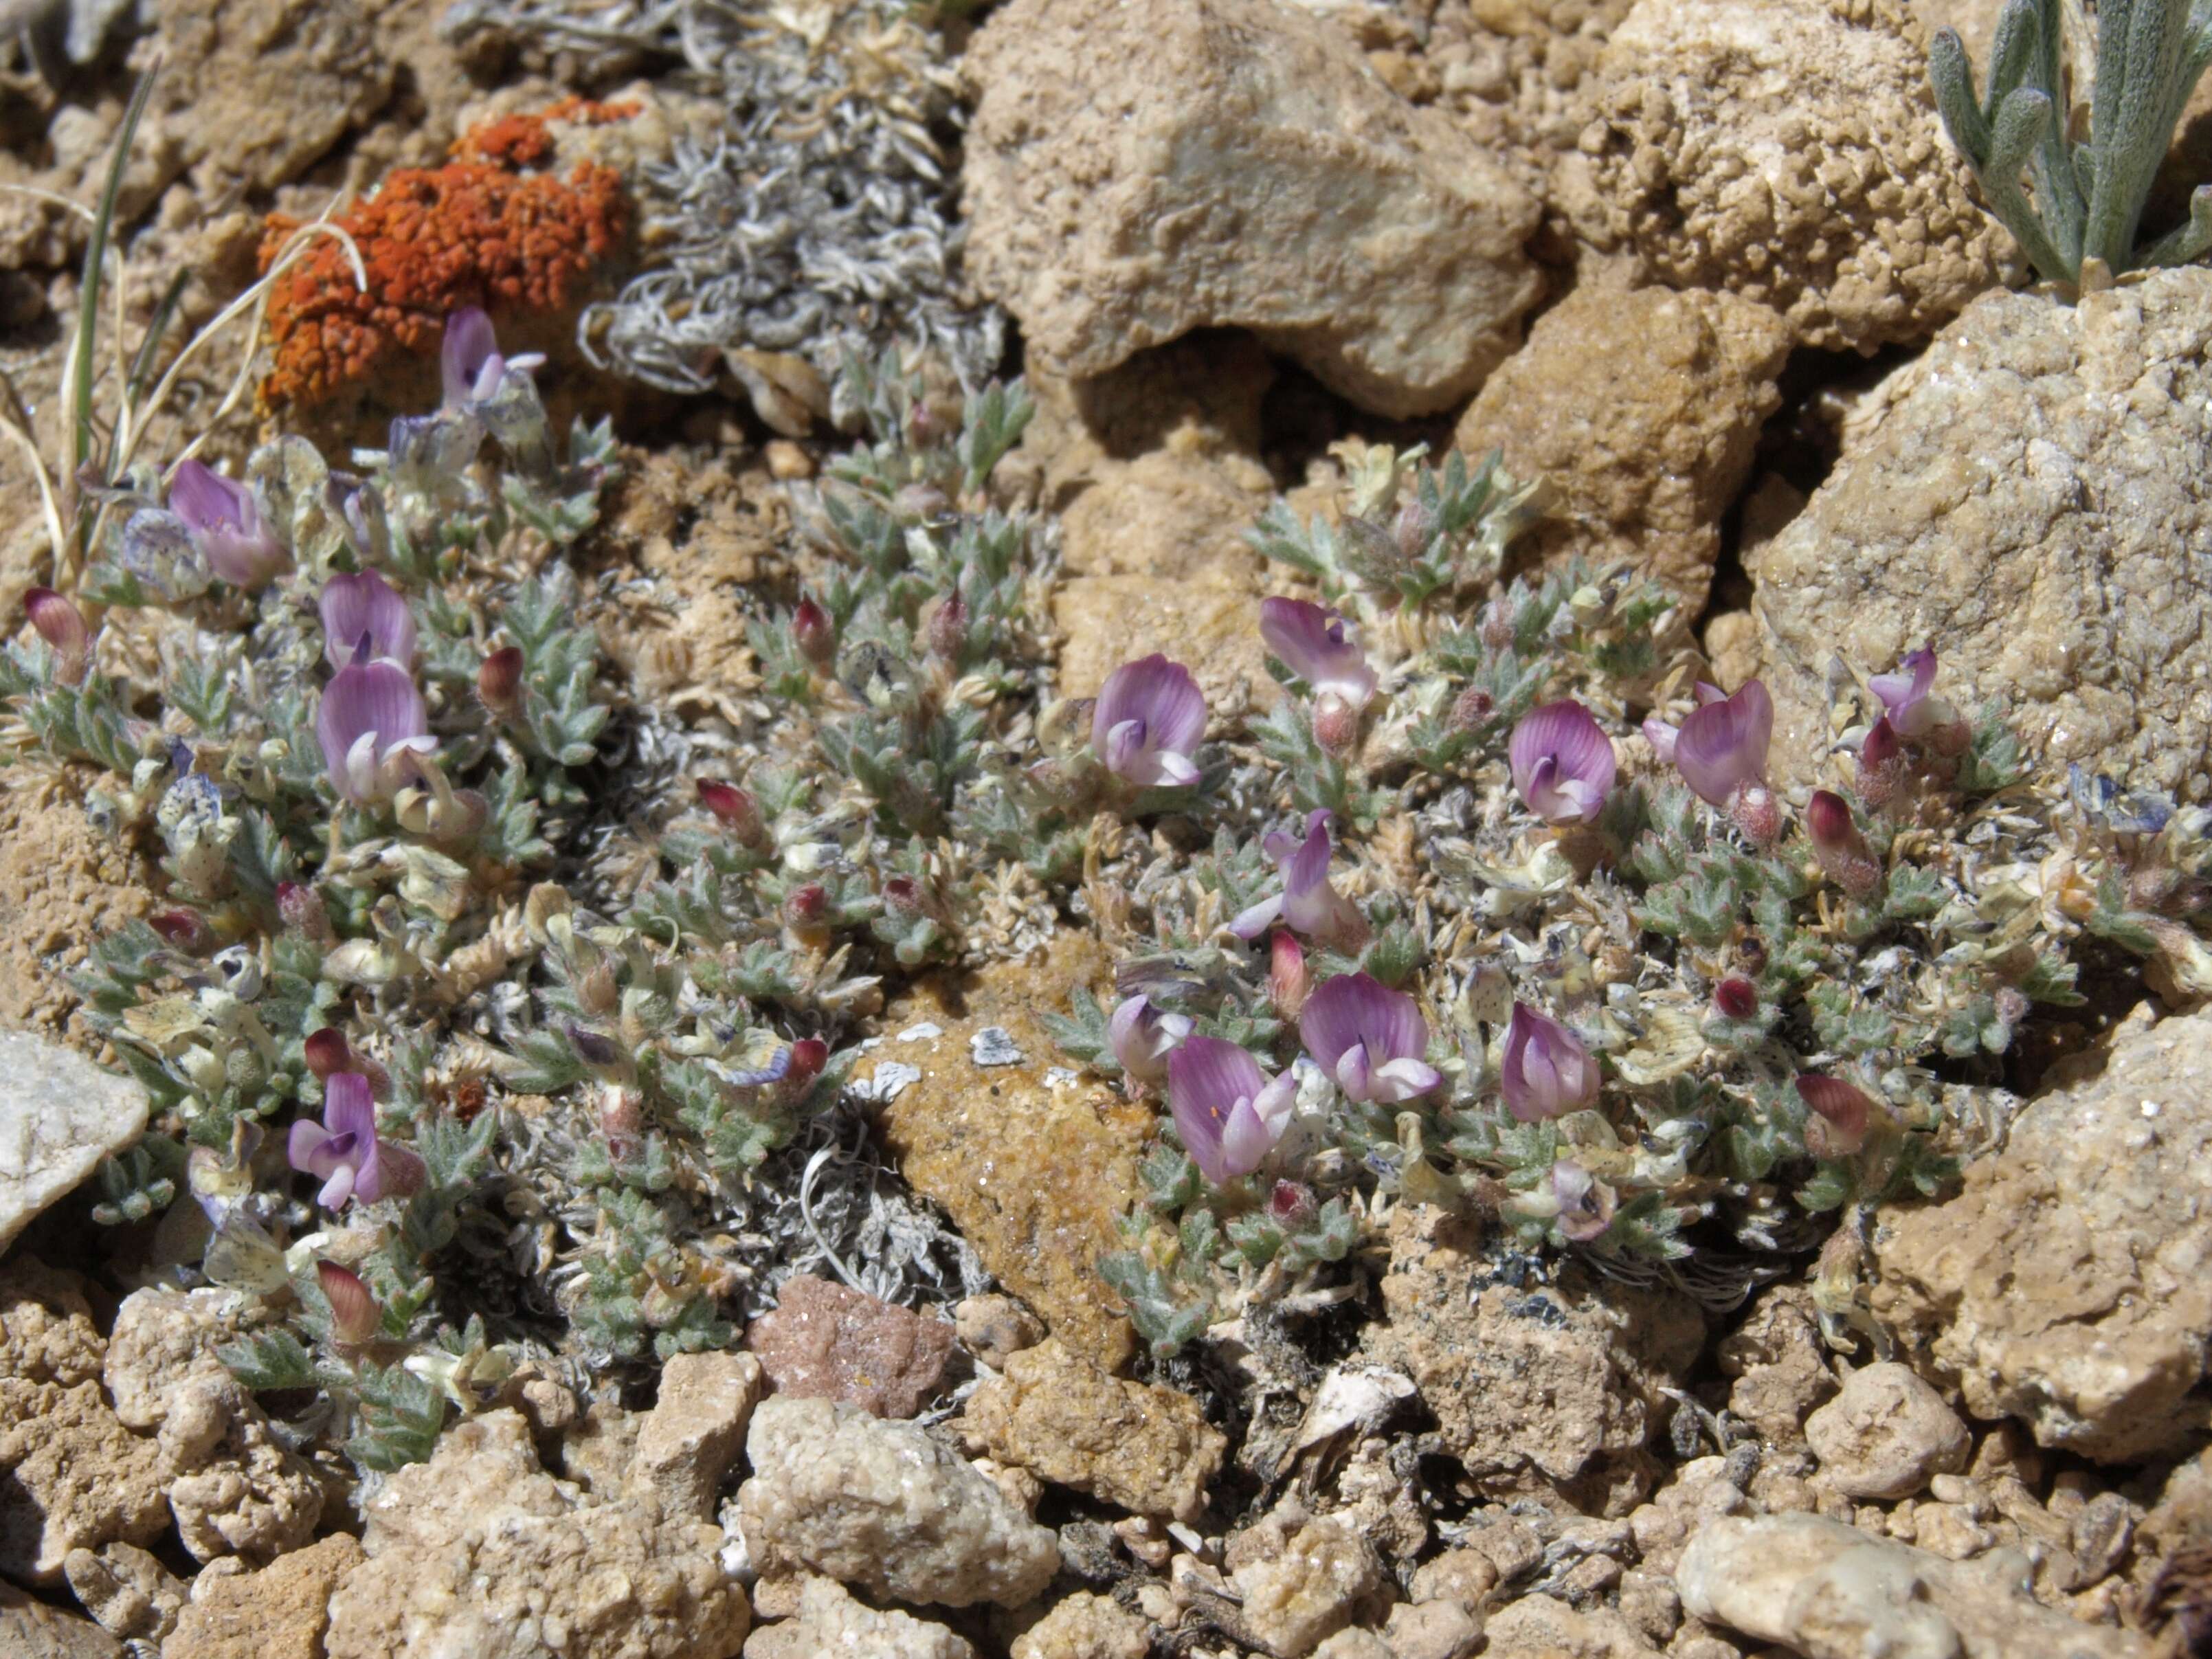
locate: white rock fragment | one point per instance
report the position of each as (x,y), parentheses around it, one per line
(884,1506)
(831,1621)
(59,1115)
(1887,1434)
(994,1046)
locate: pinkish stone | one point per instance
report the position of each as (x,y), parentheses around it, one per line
(828,1341)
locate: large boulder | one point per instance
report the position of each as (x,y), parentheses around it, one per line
(2069,1283)
(2029,498)
(1139,168)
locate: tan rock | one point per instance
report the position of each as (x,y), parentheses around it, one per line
(1431,1630)
(127,1591)
(996,1327)
(59,1115)
(1787,151)
(30,1629)
(1136,171)
(71,1477)
(1145,1447)
(232,1486)
(46,1333)
(1822,1588)
(280,1612)
(2028,503)
(1779,1363)
(1642,411)
(1084,1626)
(695,1430)
(163,1339)
(829,1619)
(1543,1627)
(1034,1172)
(2069,1283)
(1554,1389)
(63,887)
(1199,397)
(1886,1433)
(828,1341)
(883,1506)
(1211,628)
(1300,1580)
(480,1552)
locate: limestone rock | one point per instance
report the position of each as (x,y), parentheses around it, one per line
(481,1554)
(831,1621)
(30,1629)
(59,1115)
(2069,1283)
(46,1333)
(828,1341)
(1301,1579)
(1829,1591)
(995,1328)
(281,1612)
(63,884)
(232,1486)
(1887,1434)
(1145,1447)
(1642,409)
(1033,1169)
(883,1506)
(128,1592)
(71,1477)
(264,88)
(1787,151)
(1554,1388)
(1544,1627)
(1431,1630)
(165,1338)
(695,1430)
(2031,503)
(1780,1366)
(1211,628)
(1086,1626)
(1135,171)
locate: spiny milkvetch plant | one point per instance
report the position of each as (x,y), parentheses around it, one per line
(2072,197)
(1460,938)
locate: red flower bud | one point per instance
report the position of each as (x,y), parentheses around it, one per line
(814,634)
(61,625)
(1757,813)
(736,810)
(1472,707)
(948,628)
(328,1053)
(187,930)
(1735,998)
(1882,764)
(902,896)
(1286,973)
(499,680)
(354,1317)
(1291,1205)
(1335,724)
(805,906)
(1841,1115)
(808,1056)
(1839,845)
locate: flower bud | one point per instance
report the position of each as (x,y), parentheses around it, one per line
(1143,1038)
(902,898)
(814,634)
(596,990)
(1471,708)
(947,630)
(1757,814)
(1882,764)
(622,1120)
(1839,845)
(1735,998)
(1414,528)
(806,906)
(808,1056)
(301,908)
(187,930)
(61,625)
(1335,725)
(1496,629)
(354,1317)
(1290,1205)
(1286,973)
(736,810)
(499,680)
(328,1053)
(1841,1115)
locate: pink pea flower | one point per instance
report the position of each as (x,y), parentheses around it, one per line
(364,621)
(1369,1038)
(1721,747)
(62,626)
(1662,735)
(1563,763)
(224,522)
(1547,1071)
(1145,1037)
(471,362)
(1317,645)
(370,723)
(1227,1111)
(1912,708)
(1586,1204)
(344,1153)
(1148,722)
(1308,903)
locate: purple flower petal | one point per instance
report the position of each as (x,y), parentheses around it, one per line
(1149,719)
(470,349)
(1143,1038)
(224,522)
(1563,763)
(349,1107)
(1722,745)
(369,710)
(1545,1071)
(305,1148)
(1904,693)
(1316,644)
(1355,1019)
(1252,923)
(1209,1080)
(364,620)
(1662,737)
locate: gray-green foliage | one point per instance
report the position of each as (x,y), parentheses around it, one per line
(2068,199)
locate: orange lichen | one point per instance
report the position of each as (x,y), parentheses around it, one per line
(481,230)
